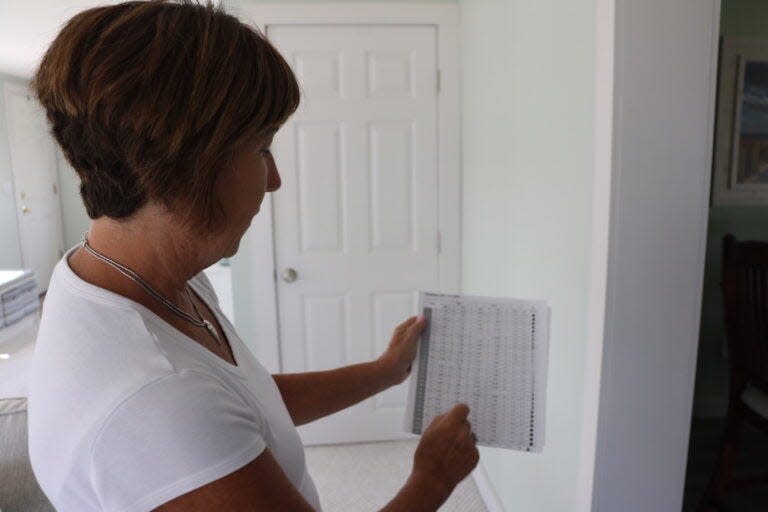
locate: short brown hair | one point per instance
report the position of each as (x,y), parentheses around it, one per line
(151,99)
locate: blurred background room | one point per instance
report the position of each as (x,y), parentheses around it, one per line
(541,149)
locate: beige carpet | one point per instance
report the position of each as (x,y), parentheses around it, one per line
(365,477)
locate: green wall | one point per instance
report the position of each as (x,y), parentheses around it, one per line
(739,18)
(744,18)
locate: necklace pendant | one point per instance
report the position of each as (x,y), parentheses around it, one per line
(211,329)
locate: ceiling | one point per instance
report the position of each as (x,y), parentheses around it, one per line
(27,27)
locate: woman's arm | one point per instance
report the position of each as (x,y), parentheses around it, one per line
(263,485)
(313,395)
(445,455)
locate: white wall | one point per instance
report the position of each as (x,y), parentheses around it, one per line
(528,94)
(26,30)
(664,109)
(528,124)
(74,219)
(529,103)
(243,278)
(28,27)
(10,247)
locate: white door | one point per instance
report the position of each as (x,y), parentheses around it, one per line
(357,216)
(35,183)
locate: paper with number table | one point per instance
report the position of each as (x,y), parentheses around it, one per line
(489,353)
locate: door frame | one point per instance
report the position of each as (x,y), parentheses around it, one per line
(628,109)
(260,250)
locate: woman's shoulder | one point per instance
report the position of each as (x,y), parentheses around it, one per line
(88,320)
(92,345)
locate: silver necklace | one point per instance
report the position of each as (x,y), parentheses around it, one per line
(130,274)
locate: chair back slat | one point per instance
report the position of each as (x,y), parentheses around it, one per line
(745,296)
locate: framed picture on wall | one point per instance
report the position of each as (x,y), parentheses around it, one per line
(740,169)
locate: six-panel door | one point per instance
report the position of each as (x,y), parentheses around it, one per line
(356,219)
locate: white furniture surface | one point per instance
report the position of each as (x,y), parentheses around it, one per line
(19,490)
(16,350)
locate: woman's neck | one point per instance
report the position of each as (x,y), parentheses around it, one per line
(152,246)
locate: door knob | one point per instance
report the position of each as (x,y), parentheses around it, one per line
(24,209)
(289,275)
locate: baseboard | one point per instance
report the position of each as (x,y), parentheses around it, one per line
(485,488)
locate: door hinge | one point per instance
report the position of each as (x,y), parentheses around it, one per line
(439,242)
(437,81)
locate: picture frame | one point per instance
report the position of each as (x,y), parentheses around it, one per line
(740,164)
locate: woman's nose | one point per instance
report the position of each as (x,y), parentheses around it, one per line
(273,178)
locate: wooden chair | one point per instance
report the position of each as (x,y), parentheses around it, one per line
(745,297)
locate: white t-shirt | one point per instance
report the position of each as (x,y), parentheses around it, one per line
(126,412)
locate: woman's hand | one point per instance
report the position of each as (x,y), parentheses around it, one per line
(396,361)
(447,452)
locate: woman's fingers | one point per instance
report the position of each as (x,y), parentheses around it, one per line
(404,326)
(418,324)
(411,326)
(447,448)
(459,412)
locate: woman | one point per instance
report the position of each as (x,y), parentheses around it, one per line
(142,395)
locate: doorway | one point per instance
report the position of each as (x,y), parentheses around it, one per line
(737,207)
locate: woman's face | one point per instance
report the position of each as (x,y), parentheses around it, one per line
(242,189)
